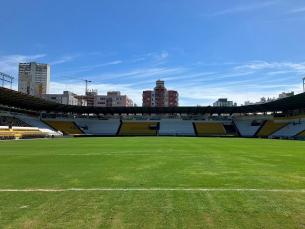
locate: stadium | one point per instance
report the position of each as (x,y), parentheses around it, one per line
(151,167)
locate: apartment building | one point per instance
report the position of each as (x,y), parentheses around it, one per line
(160,97)
(112,99)
(34,78)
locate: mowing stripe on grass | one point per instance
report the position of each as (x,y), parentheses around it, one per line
(156,189)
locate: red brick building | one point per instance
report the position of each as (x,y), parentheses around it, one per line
(160,97)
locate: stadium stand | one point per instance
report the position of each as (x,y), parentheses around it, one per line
(246,127)
(176,127)
(302,134)
(269,128)
(65,127)
(281,118)
(11,121)
(98,127)
(7,133)
(292,129)
(212,129)
(138,129)
(36,122)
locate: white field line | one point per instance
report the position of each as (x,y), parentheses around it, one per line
(101,154)
(157,189)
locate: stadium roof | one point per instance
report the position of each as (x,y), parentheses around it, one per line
(24,101)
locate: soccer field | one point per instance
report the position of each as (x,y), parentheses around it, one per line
(152,182)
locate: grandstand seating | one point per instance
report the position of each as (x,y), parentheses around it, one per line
(65,127)
(98,127)
(291,129)
(270,127)
(20,132)
(302,134)
(245,128)
(211,129)
(36,122)
(176,127)
(247,125)
(12,121)
(137,129)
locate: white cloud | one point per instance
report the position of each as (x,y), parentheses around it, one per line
(248,81)
(298,10)
(259,65)
(278,72)
(62,60)
(215,64)
(161,56)
(142,73)
(245,8)
(10,64)
(137,60)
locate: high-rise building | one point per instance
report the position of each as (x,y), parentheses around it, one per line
(160,97)
(34,78)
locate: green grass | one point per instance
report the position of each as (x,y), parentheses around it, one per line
(147,163)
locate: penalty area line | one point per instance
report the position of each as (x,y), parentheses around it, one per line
(156,189)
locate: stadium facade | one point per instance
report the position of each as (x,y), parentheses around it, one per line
(29,116)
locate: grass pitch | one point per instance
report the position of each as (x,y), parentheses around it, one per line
(152,182)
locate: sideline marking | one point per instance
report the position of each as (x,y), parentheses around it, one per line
(154,189)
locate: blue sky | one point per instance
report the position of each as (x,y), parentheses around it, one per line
(241,50)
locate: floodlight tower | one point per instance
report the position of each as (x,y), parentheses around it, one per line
(7,76)
(303,84)
(79,79)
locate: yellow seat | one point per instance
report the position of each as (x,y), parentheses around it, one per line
(137,129)
(64,126)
